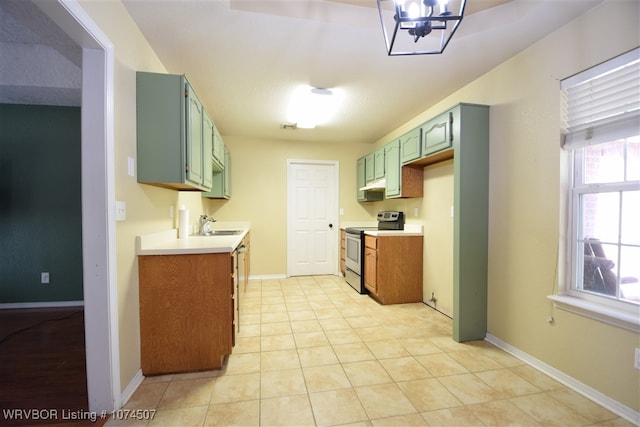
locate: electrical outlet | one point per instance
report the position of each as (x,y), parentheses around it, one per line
(44,277)
(636,360)
(121,210)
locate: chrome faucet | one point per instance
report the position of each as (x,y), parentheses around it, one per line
(204,221)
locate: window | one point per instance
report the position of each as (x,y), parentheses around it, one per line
(602,133)
(606,214)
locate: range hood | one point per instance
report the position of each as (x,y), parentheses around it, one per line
(377,185)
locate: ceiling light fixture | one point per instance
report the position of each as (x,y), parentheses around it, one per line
(311,106)
(419,27)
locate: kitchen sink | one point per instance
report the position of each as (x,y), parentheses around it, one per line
(223,233)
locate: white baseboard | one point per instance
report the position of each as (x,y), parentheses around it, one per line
(267,277)
(131,388)
(280,276)
(614,406)
(45,304)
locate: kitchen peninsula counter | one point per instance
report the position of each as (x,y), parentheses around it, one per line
(167,242)
(189,298)
(409,229)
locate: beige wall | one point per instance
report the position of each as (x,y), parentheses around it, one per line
(258,177)
(438,236)
(524,202)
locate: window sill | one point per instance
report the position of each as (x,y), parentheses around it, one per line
(626,320)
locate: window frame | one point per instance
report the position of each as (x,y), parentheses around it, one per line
(601,307)
(576,256)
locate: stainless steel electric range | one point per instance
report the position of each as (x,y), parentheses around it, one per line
(354,246)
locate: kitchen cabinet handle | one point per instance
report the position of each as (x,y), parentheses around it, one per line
(330,225)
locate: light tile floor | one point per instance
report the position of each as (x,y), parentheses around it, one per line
(311,351)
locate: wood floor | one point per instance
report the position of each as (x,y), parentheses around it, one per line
(42,368)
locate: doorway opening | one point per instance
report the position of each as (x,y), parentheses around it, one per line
(98,202)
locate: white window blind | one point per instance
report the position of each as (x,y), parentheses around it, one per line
(603,103)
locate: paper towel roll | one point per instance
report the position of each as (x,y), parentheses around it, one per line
(183,226)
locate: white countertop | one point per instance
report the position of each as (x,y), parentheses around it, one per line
(409,230)
(167,242)
(383,233)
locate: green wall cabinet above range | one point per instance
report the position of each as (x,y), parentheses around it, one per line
(379,166)
(174,134)
(361,181)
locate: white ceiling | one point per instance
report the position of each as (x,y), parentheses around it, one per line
(40,63)
(245,57)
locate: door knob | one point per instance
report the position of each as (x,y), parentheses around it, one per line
(330,225)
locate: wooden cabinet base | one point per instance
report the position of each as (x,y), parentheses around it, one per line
(393,268)
(186,319)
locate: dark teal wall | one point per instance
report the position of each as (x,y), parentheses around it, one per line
(40,209)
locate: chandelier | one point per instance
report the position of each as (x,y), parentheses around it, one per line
(419,27)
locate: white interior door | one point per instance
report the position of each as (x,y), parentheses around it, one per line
(312,229)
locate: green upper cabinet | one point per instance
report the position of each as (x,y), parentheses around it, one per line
(171,140)
(364,195)
(437,134)
(410,146)
(221,186)
(401,181)
(207,147)
(379,163)
(195,141)
(369,167)
(218,150)
(360,179)
(392,163)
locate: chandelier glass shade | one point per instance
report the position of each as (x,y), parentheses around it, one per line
(419,27)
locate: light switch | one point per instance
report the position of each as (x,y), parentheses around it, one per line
(130,166)
(121,210)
